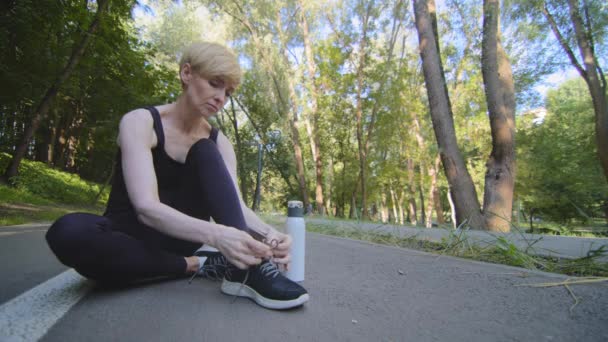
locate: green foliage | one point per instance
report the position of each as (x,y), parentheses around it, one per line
(9,194)
(38,184)
(532,46)
(18,206)
(559,176)
(113,77)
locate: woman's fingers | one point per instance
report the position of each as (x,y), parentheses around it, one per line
(241,249)
(286,259)
(285,243)
(243,260)
(251,260)
(259,249)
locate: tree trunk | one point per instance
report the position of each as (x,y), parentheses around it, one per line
(342,198)
(413,214)
(595,80)
(316,156)
(74,134)
(255,205)
(295,134)
(340,210)
(43,142)
(432,198)
(426,211)
(53,137)
(412,192)
(383,208)
(373,211)
(43,107)
(423,218)
(465,197)
(239,147)
(353,206)
(401,214)
(500,97)
(359,112)
(394,202)
(329,187)
(436,193)
(61,139)
(452,208)
(59,143)
(312,71)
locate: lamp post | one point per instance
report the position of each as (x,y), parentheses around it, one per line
(273,136)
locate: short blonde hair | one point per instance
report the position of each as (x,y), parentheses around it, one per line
(212,60)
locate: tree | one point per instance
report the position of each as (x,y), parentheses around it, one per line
(500,95)
(576,25)
(465,197)
(590,69)
(44,105)
(314,115)
(253,19)
(559,178)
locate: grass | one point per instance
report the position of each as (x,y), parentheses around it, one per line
(594,228)
(458,244)
(18,206)
(43,194)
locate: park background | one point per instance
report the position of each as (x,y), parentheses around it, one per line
(333,109)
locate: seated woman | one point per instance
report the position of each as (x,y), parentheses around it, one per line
(174,172)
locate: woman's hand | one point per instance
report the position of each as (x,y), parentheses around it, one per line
(282,244)
(240,248)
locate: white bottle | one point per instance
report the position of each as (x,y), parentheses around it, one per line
(296,228)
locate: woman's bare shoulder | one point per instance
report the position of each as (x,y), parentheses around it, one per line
(137,124)
(140,115)
(223,141)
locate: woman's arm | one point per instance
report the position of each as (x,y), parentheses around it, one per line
(136,139)
(281,251)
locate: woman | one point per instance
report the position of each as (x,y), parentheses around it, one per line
(174,172)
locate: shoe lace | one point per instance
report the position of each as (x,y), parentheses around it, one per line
(269,269)
(212,268)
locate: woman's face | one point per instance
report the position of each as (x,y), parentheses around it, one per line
(207,96)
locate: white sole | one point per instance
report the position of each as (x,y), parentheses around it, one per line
(241,290)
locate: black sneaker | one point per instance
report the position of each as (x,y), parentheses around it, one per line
(214,267)
(265,285)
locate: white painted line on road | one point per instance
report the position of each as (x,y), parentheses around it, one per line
(30,315)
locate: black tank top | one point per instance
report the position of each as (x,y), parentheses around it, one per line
(168,175)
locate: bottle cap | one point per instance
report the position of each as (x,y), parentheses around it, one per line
(295,209)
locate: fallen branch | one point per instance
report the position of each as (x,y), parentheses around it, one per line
(587,280)
(566,284)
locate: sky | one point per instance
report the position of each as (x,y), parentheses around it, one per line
(554,80)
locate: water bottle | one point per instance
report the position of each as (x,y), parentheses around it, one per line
(296,228)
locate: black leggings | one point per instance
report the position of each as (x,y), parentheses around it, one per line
(121,252)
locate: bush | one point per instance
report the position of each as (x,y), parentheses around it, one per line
(39,179)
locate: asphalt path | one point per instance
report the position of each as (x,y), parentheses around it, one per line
(359,292)
(26,259)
